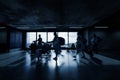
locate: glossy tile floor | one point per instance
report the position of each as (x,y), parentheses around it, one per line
(21,65)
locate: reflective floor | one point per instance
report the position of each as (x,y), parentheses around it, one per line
(22,65)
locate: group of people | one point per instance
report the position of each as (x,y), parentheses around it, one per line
(39,44)
(81,45)
(90,48)
(36,44)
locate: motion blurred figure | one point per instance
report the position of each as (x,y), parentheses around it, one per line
(56,45)
(95,43)
(80,45)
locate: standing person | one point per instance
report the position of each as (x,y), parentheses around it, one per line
(95,42)
(56,45)
(33,47)
(39,48)
(80,45)
(39,41)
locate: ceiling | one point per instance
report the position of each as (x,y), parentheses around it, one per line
(39,14)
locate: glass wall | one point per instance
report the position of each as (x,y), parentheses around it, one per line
(50,36)
(70,37)
(31,36)
(65,36)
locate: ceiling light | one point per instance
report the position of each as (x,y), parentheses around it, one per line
(49,27)
(101,27)
(75,27)
(2,27)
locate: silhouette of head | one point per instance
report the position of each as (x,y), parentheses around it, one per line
(55,34)
(39,35)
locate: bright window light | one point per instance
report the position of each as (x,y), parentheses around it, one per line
(72,37)
(50,36)
(64,35)
(31,36)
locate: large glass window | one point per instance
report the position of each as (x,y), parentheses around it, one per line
(72,38)
(50,36)
(31,36)
(64,35)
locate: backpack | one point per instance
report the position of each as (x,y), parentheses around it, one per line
(62,41)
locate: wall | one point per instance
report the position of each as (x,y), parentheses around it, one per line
(10,39)
(110,38)
(15,39)
(24,40)
(3,41)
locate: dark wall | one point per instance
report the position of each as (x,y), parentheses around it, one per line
(11,38)
(23,40)
(15,39)
(110,38)
(3,41)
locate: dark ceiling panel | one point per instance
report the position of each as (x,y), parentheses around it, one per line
(60,13)
(111,21)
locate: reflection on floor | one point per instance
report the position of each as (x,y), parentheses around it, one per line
(21,65)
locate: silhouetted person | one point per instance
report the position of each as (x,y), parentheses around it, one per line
(39,41)
(40,47)
(73,46)
(80,45)
(33,47)
(95,42)
(56,45)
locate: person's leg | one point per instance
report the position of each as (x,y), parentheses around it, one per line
(83,54)
(75,54)
(56,54)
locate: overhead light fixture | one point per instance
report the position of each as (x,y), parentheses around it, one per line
(101,27)
(2,27)
(49,27)
(76,27)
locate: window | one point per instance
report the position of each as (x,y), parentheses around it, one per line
(50,36)
(31,36)
(70,37)
(64,35)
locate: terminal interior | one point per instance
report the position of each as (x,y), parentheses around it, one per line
(22,21)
